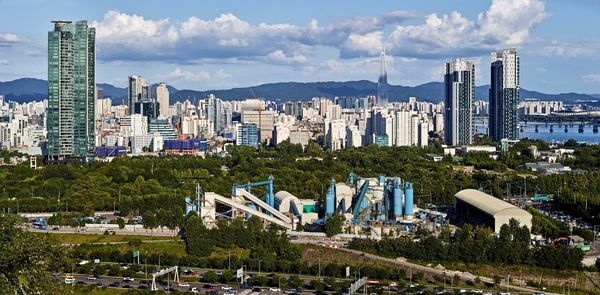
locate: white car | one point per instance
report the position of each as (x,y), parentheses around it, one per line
(226,288)
(183,284)
(228,293)
(274,289)
(70,281)
(128,279)
(92,278)
(194,290)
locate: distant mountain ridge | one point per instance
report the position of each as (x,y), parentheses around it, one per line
(29,89)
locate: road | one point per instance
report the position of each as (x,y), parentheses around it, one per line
(99,231)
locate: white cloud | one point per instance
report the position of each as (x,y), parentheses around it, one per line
(3,62)
(570,50)
(179,74)
(591,78)
(132,37)
(7,39)
(507,23)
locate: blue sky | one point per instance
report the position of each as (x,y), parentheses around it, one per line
(223,44)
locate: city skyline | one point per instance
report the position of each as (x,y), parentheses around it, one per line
(244,48)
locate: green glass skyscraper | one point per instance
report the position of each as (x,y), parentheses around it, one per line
(71,83)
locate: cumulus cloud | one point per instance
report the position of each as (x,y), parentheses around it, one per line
(591,78)
(3,62)
(506,23)
(8,39)
(132,37)
(185,75)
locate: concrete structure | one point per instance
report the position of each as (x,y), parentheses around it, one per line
(459,91)
(71,90)
(478,208)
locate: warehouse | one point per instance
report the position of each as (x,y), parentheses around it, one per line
(478,208)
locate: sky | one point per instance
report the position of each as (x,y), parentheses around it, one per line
(205,45)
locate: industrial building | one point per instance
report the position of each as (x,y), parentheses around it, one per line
(378,206)
(478,208)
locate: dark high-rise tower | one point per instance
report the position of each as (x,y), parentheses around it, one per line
(382,83)
(504,95)
(71,87)
(459,90)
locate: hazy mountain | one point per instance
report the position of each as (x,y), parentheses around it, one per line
(28,89)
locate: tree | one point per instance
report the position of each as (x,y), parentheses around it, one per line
(334,224)
(121,222)
(149,221)
(210,277)
(26,258)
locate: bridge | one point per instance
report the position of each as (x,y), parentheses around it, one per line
(569,118)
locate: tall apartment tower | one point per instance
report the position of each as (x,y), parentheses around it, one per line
(504,95)
(71,87)
(459,91)
(135,90)
(382,83)
(162,96)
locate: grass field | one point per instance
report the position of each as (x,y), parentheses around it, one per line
(72,238)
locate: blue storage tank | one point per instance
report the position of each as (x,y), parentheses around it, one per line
(408,199)
(397,201)
(203,144)
(330,199)
(381,180)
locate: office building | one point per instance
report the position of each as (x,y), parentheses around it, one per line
(382,83)
(71,90)
(162,97)
(459,91)
(134,91)
(504,95)
(247,134)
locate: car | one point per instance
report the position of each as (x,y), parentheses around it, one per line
(256,290)
(69,280)
(115,284)
(143,287)
(80,283)
(99,285)
(124,266)
(226,288)
(110,231)
(194,290)
(92,278)
(228,293)
(477,291)
(274,289)
(55,228)
(183,284)
(128,279)
(126,286)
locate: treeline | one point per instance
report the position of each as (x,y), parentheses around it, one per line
(136,185)
(479,245)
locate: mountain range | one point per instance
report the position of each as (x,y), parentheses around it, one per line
(29,89)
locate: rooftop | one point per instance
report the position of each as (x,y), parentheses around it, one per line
(487,203)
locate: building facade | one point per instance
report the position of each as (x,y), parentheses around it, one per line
(504,95)
(459,91)
(382,83)
(71,90)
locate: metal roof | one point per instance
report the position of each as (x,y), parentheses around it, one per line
(487,203)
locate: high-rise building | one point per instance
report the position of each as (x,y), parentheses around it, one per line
(71,87)
(382,83)
(459,90)
(504,95)
(162,96)
(134,91)
(247,134)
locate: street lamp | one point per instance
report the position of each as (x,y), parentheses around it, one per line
(259,266)
(159,255)
(279,282)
